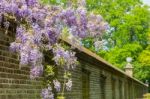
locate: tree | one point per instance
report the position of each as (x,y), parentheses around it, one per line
(129,19)
(142,65)
(129,22)
(144,57)
(117,56)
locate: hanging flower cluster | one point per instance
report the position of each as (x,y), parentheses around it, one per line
(65,59)
(47,93)
(96,25)
(100,45)
(57,85)
(39,28)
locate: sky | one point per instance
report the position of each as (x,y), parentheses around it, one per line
(146,2)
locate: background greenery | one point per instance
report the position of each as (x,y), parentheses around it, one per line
(130,33)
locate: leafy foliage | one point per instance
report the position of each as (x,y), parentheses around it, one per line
(129,19)
(117,56)
(128,35)
(144,57)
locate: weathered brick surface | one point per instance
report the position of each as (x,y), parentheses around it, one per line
(16,84)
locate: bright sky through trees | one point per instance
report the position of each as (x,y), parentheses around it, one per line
(146,2)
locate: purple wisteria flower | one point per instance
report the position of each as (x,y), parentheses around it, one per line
(48,22)
(27,38)
(69,85)
(37,34)
(64,58)
(72,61)
(6,6)
(98,45)
(52,35)
(59,55)
(36,71)
(24,54)
(20,31)
(25,48)
(32,2)
(24,58)
(38,14)
(57,85)
(24,11)
(47,93)
(10,7)
(96,26)
(13,7)
(82,22)
(19,2)
(1,17)
(35,56)
(15,47)
(6,24)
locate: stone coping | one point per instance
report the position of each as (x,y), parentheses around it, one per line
(96,57)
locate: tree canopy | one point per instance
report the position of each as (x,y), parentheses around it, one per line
(128,36)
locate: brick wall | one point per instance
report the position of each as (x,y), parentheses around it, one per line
(15,82)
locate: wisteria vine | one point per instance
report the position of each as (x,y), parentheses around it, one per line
(38,29)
